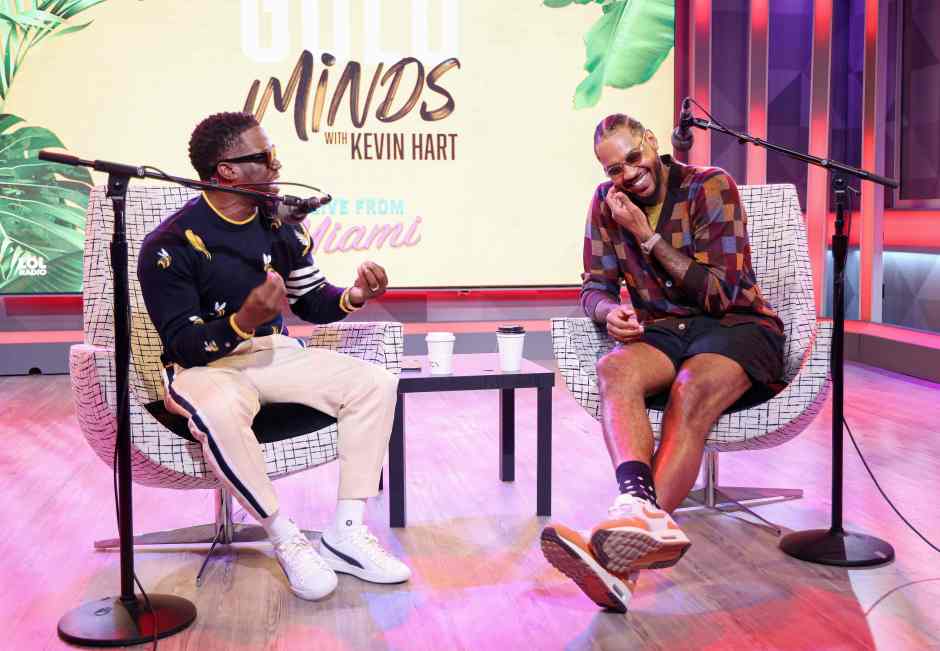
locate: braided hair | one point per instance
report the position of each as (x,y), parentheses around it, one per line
(613,123)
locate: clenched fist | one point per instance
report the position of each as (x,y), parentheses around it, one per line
(371,281)
(623,325)
(627,214)
(262,304)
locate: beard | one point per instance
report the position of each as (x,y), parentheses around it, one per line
(657,180)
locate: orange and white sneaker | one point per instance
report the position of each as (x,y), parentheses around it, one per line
(570,553)
(637,535)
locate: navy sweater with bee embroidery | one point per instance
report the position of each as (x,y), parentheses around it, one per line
(197,267)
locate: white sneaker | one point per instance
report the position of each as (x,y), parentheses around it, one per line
(307,573)
(354,550)
(637,535)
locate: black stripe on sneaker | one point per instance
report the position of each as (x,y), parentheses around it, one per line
(348,559)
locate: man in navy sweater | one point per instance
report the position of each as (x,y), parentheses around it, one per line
(214,276)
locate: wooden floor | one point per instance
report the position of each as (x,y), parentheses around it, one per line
(480,581)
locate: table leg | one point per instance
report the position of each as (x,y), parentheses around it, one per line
(544,451)
(507,434)
(396,467)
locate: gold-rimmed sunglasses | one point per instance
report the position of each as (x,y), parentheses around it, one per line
(633,157)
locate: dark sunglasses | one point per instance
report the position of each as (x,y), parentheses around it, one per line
(268,157)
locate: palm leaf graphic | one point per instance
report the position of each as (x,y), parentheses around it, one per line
(625,47)
(42,210)
(42,205)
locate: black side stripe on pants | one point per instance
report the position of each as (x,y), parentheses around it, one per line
(217,454)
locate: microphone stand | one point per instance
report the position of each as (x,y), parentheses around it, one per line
(832,546)
(127,619)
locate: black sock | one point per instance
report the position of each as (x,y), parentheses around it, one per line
(636,478)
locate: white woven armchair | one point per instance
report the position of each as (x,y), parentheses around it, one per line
(779,256)
(298,437)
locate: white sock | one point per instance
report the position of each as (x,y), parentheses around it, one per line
(278,526)
(349,513)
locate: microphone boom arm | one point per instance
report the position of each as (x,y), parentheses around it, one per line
(145,172)
(832,546)
(827,163)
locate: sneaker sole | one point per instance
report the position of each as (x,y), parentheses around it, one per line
(311,596)
(621,550)
(577,565)
(345,568)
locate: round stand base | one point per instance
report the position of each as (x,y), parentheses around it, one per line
(112,622)
(831,547)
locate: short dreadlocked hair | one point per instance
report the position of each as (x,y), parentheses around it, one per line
(615,122)
(214,136)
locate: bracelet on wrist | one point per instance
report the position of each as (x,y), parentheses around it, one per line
(647,246)
(241,333)
(345,304)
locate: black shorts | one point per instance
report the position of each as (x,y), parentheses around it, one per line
(757,349)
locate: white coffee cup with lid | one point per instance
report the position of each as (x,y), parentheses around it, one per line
(511,340)
(440,352)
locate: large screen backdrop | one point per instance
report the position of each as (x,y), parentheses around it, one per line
(446,130)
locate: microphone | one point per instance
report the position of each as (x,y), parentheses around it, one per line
(306,205)
(682,137)
(293,210)
(97,165)
(62,159)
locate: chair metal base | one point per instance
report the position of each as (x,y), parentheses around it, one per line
(224,532)
(728,499)
(202,534)
(737,498)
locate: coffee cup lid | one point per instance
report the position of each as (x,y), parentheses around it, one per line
(440,336)
(510,329)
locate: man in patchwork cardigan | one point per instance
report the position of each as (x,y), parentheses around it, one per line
(695,338)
